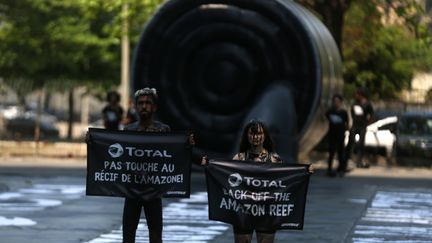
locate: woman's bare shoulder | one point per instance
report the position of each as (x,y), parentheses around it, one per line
(239,156)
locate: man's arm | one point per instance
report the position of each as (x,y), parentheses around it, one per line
(346,121)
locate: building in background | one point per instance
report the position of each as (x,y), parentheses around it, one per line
(420,85)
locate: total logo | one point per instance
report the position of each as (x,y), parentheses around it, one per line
(115,150)
(235,180)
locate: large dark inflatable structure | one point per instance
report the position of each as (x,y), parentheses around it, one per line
(219,63)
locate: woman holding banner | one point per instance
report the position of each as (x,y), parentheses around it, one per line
(255,145)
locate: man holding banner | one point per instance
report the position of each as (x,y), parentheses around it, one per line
(146,105)
(142,164)
(261,193)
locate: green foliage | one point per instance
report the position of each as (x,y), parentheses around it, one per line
(388,63)
(51,41)
(139,12)
(382,58)
(75,42)
(59,44)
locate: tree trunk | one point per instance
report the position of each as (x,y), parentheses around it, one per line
(124,85)
(85,103)
(334,20)
(47,101)
(71,114)
(333,14)
(21,99)
(37,133)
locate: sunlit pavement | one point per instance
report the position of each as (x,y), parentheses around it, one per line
(396,216)
(45,201)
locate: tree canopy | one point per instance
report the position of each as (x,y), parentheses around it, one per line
(380,56)
(43,42)
(332,13)
(73,41)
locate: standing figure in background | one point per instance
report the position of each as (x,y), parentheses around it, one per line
(131,114)
(361,114)
(338,123)
(112,113)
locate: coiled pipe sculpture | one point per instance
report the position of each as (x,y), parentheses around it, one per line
(219,63)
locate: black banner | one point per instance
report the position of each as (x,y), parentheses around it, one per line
(254,195)
(138,165)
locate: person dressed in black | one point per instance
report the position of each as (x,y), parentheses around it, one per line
(131,114)
(361,115)
(338,123)
(112,113)
(146,105)
(256,145)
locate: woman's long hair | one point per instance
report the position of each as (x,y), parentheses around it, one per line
(255,125)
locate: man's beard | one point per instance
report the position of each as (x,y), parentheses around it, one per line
(145,116)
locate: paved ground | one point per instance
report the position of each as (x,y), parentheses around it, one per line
(42,200)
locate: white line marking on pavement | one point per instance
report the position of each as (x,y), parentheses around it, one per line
(357,200)
(380,240)
(35,198)
(184,221)
(16,221)
(404,217)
